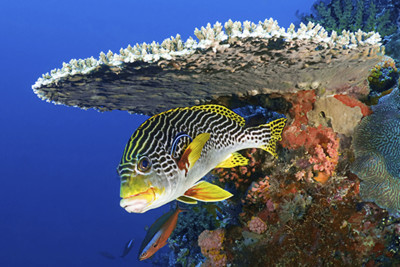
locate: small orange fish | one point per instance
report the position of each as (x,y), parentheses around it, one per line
(159,233)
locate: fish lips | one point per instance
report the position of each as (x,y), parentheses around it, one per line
(138,203)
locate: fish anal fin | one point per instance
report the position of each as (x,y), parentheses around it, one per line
(187,200)
(234,159)
(204,191)
(193,152)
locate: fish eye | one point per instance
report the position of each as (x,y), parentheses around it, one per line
(144,164)
(155,245)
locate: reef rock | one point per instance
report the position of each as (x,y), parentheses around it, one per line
(331,112)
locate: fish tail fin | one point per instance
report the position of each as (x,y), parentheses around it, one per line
(267,135)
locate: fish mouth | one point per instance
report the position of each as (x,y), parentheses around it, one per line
(143,257)
(138,203)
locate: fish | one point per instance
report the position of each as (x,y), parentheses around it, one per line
(158,233)
(168,155)
(128,247)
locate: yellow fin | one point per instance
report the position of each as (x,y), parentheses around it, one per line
(276,128)
(187,200)
(204,191)
(193,151)
(234,159)
(223,111)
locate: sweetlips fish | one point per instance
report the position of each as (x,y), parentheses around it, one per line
(170,152)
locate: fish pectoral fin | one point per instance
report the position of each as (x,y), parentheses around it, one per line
(234,159)
(193,151)
(187,200)
(204,191)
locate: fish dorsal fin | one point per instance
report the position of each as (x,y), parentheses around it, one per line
(193,152)
(233,160)
(187,200)
(204,191)
(223,111)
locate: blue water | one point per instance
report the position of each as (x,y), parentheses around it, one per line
(59,191)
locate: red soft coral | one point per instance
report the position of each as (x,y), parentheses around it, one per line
(325,154)
(258,191)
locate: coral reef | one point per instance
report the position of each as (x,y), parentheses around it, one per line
(258,191)
(392,44)
(384,76)
(240,177)
(308,206)
(382,16)
(321,143)
(183,242)
(339,15)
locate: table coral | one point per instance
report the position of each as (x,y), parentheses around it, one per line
(232,59)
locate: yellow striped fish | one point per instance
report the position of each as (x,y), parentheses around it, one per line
(170,152)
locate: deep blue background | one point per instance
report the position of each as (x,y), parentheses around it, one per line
(59,191)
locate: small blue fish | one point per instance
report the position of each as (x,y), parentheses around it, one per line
(127,248)
(159,233)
